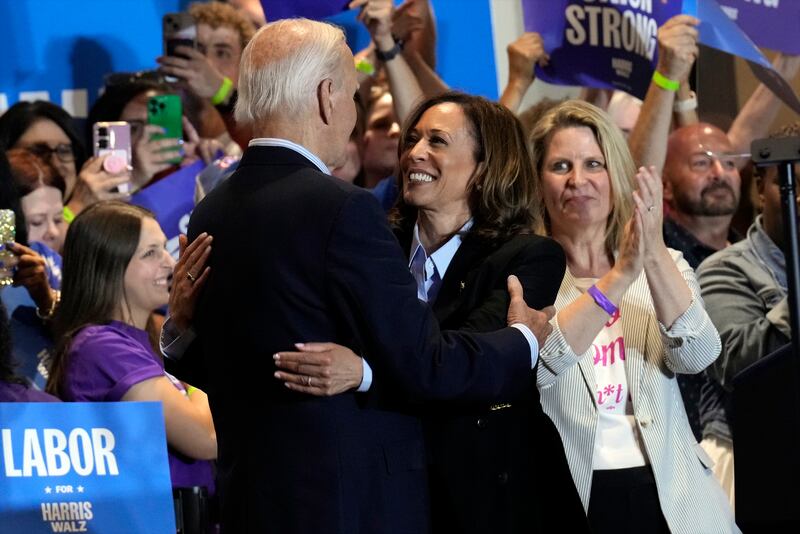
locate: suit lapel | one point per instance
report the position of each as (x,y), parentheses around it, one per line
(472,252)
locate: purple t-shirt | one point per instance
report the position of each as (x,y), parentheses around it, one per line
(105,361)
(10,392)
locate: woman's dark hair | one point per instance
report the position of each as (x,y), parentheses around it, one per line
(30,172)
(504,198)
(99,245)
(21,116)
(10,199)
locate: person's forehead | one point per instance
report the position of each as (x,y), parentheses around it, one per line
(209,36)
(44,130)
(705,139)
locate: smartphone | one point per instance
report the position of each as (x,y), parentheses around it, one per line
(114,139)
(8,232)
(166,111)
(178,29)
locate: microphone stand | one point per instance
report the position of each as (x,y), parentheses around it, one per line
(785,153)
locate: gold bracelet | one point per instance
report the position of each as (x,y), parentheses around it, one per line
(56,294)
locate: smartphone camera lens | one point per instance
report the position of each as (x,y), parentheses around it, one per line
(102,143)
(102,131)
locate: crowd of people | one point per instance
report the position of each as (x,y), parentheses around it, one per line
(400,307)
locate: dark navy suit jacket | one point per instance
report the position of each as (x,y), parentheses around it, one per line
(300,256)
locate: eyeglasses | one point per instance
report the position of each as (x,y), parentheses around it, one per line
(137,127)
(702,162)
(62,151)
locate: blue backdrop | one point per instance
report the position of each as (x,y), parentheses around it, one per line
(54,46)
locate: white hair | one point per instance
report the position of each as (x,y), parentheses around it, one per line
(282,66)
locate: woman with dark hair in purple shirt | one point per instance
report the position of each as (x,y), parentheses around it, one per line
(115,274)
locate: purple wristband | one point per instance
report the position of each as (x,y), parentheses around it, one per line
(602,301)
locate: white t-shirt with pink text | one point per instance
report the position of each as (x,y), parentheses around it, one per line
(617,443)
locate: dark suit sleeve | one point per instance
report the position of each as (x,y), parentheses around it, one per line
(372,290)
(539,265)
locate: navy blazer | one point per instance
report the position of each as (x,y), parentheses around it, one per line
(497,467)
(301,256)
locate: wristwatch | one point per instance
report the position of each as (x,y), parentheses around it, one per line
(389,54)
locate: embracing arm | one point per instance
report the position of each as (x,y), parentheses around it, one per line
(376,296)
(539,266)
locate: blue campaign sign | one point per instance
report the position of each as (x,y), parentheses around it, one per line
(172,200)
(84,467)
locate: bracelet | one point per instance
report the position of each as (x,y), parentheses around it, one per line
(665,83)
(602,301)
(56,294)
(69,216)
(223,91)
(682,106)
(190,390)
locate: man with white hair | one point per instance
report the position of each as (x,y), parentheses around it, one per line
(301,256)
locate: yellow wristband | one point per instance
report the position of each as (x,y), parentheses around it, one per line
(68,215)
(190,390)
(223,91)
(365,66)
(665,83)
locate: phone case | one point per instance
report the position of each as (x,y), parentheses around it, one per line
(8,233)
(166,111)
(178,29)
(113,139)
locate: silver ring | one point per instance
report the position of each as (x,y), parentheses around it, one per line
(191,277)
(651,208)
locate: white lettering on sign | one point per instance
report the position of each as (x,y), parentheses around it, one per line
(608,27)
(56,453)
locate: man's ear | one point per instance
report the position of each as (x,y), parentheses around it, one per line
(668,196)
(325,100)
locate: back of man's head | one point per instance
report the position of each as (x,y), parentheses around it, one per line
(282,66)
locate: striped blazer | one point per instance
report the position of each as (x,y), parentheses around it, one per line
(691,499)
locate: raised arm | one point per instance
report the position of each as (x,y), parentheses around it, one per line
(760,110)
(523,55)
(677,51)
(405,89)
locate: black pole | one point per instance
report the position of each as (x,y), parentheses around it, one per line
(791,250)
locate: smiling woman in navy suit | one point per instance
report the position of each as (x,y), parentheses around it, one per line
(466,216)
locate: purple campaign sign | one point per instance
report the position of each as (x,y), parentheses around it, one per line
(769,23)
(310,9)
(599,45)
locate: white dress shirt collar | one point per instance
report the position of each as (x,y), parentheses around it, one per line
(285,143)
